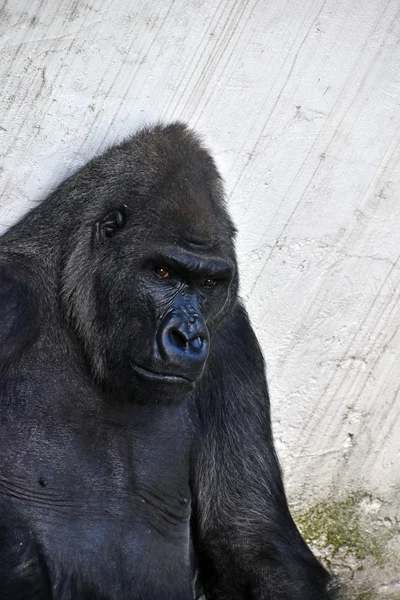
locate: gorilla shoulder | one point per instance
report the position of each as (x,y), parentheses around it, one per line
(18,311)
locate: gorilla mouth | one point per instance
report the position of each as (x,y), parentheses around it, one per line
(163,377)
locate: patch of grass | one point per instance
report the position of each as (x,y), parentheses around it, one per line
(335,525)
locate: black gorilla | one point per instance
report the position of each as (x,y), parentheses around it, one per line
(135,440)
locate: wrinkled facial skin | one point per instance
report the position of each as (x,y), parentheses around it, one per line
(170,315)
(187,293)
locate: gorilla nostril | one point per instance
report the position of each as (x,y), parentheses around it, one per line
(184,342)
(197,343)
(179,338)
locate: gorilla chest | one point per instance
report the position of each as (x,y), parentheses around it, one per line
(143,550)
(109,505)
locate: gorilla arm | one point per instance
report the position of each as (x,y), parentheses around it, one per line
(246,540)
(18,314)
(21,572)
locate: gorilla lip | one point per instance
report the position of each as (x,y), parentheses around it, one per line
(164,377)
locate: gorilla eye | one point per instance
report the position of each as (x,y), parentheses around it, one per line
(162,272)
(210,282)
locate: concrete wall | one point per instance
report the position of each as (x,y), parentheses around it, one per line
(300,101)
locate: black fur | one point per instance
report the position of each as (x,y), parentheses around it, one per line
(137,456)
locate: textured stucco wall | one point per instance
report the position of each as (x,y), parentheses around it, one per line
(300,102)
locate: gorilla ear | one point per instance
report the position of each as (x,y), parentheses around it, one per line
(108,225)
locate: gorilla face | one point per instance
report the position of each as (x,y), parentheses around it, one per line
(162,271)
(159,317)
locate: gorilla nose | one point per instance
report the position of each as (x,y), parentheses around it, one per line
(184,345)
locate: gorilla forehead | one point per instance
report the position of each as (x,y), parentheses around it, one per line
(162,176)
(166,172)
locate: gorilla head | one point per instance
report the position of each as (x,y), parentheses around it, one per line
(147,260)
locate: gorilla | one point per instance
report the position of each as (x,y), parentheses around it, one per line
(137,460)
